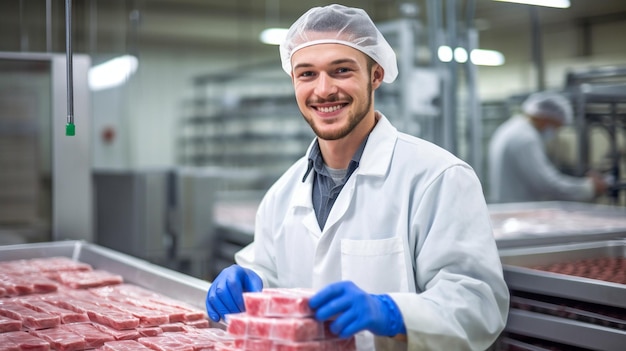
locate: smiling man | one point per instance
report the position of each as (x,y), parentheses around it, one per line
(391,231)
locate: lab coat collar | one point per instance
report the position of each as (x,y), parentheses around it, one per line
(379,148)
(375,160)
(377,154)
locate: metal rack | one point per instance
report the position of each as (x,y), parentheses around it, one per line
(599,96)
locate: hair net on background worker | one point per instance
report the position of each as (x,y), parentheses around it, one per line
(549,105)
(339,25)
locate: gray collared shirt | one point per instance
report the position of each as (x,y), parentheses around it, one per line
(325,190)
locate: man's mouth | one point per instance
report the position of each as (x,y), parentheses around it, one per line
(329,109)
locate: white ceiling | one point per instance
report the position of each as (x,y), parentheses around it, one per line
(102,26)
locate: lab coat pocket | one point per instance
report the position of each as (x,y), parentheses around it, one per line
(377,266)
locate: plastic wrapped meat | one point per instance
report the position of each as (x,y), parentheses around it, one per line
(165,343)
(30,318)
(86,279)
(242,325)
(128,334)
(9,324)
(325,345)
(61,340)
(67,316)
(24,341)
(124,345)
(275,302)
(93,337)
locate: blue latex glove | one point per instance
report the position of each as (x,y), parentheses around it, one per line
(225,294)
(355,310)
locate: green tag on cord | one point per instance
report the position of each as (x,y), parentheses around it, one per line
(70,129)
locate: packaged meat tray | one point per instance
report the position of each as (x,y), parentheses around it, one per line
(520,271)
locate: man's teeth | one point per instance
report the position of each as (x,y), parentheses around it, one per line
(329,109)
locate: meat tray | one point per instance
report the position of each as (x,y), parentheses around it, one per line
(519,276)
(140,272)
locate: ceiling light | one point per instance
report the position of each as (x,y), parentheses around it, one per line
(445,54)
(460,55)
(273,36)
(562,4)
(478,57)
(112,73)
(482,57)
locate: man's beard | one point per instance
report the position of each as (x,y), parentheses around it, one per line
(353,121)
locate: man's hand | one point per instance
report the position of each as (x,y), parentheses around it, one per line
(355,310)
(226,292)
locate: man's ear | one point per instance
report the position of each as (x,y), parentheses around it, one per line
(377,75)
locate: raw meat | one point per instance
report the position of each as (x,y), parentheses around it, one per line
(128,334)
(61,340)
(30,318)
(9,324)
(124,345)
(25,341)
(275,302)
(93,337)
(241,325)
(87,279)
(67,316)
(165,343)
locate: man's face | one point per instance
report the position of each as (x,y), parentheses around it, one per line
(334,86)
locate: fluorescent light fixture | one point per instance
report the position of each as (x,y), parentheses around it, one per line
(477,56)
(273,36)
(561,4)
(460,55)
(445,54)
(486,57)
(112,73)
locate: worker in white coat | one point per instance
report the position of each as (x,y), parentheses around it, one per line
(519,167)
(391,231)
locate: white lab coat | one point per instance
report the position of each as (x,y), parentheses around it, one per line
(520,171)
(411,221)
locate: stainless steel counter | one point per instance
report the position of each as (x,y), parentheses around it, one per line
(554,222)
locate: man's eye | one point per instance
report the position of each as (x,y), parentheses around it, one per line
(306,74)
(343,70)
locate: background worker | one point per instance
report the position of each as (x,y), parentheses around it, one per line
(519,167)
(391,231)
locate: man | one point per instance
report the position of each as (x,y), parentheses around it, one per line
(392,231)
(519,168)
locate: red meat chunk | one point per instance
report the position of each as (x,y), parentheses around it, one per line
(87,279)
(275,302)
(93,337)
(61,339)
(165,343)
(241,325)
(67,316)
(124,345)
(25,341)
(9,324)
(30,318)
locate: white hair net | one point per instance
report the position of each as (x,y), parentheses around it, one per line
(339,25)
(549,105)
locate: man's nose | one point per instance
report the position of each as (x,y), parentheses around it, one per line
(325,85)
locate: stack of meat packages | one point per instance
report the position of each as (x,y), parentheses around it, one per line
(281,320)
(63,305)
